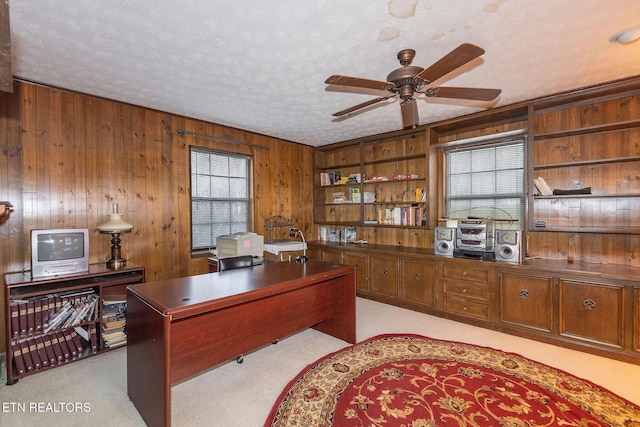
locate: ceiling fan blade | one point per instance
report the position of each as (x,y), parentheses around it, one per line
(454,59)
(358,82)
(475,94)
(409,111)
(359,106)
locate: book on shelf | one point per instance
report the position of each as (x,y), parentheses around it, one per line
(421,195)
(349,234)
(542,186)
(18,359)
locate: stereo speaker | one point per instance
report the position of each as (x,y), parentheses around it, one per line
(508,246)
(444,241)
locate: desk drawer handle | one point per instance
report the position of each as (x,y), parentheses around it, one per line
(464,273)
(464,291)
(417,277)
(524,293)
(384,271)
(589,304)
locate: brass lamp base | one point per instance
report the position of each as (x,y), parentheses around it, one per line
(116,261)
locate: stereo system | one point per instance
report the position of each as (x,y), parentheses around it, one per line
(508,246)
(478,239)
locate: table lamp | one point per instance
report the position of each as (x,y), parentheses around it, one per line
(303,257)
(115,226)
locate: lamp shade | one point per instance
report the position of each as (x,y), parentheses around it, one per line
(115,224)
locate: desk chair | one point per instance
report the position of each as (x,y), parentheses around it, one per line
(235,262)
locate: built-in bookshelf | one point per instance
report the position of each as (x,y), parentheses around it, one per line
(588,154)
(379,184)
(60,319)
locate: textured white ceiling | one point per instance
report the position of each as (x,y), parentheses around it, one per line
(260,65)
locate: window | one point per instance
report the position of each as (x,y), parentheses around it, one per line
(220,196)
(486,181)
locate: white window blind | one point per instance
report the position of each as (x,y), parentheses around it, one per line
(219,196)
(486,181)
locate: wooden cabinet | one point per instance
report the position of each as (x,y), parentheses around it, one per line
(383,275)
(361,262)
(526,300)
(466,288)
(418,280)
(43,343)
(592,312)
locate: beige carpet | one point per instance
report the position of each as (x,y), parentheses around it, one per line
(242,394)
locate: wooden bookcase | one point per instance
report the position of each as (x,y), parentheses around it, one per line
(27,295)
(381,194)
(587,144)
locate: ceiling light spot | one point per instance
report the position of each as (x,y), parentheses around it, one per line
(388,33)
(437,36)
(402,8)
(626,36)
(467,27)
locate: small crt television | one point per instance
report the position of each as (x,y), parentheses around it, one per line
(59,252)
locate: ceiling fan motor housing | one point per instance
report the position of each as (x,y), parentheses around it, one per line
(403,78)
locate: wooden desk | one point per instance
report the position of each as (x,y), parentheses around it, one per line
(177,329)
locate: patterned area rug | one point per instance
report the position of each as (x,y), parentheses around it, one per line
(414,381)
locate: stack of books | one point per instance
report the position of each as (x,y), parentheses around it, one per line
(114,321)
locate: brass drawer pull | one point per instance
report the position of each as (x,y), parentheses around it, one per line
(589,304)
(464,273)
(417,277)
(464,291)
(524,293)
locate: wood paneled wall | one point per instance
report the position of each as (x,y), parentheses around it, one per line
(66,158)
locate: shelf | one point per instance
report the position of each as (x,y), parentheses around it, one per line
(588,162)
(337,167)
(593,230)
(611,127)
(394,159)
(586,196)
(394,181)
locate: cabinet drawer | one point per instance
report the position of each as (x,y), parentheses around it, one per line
(592,312)
(466,289)
(462,272)
(466,308)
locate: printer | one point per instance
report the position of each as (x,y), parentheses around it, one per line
(236,244)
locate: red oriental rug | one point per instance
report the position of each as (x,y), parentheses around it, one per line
(415,381)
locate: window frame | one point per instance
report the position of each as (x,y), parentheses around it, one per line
(500,139)
(250,196)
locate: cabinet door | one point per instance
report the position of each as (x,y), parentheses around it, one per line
(332,256)
(362,269)
(526,300)
(592,312)
(384,275)
(418,281)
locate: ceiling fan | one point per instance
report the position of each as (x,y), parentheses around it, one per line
(409,80)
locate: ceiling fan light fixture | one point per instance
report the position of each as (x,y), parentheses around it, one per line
(626,36)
